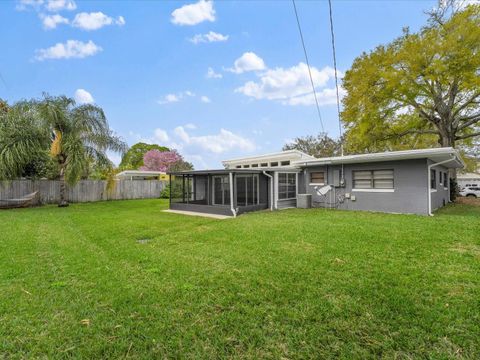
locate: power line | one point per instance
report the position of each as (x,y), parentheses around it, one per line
(335,68)
(308,65)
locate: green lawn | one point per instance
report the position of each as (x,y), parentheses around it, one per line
(76,282)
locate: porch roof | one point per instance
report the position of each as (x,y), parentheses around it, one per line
(234,171)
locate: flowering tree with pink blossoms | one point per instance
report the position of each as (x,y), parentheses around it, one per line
(155,160)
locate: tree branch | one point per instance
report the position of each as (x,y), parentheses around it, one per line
(470,120)
(411,132)
(466,103)
(463,137)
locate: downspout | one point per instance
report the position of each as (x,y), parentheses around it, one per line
(271,188)
(429,181)
(232,208)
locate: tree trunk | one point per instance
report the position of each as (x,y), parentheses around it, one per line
(63,201)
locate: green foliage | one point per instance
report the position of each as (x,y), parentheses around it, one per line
(177,191)
(320,146)
(420,90)
(292,284)
(180,165)
(133,158)
(23,140)
(82,135)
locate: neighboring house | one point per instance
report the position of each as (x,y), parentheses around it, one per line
(414,181)
(468,180)
(140,175)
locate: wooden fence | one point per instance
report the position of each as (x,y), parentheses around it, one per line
(84,190)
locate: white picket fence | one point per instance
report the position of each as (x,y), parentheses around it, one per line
(84,190)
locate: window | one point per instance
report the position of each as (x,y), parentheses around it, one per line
(445,180)
(440,178)
(433,179)
(287,186)
(255,165)
(274,163)
(317,177)
(246,166)
(373,179)
(238,166)
(264,164)
(285,163)
(221,190)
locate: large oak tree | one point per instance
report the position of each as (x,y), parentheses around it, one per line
(422,89)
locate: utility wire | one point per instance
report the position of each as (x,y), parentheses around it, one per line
(308,65)
(335,68)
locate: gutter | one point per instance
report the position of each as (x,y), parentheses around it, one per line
(232,208)
(429,167)
(271,189)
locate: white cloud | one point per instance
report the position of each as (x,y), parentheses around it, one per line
(219,143)
(59,5)
(51,21)
(24,5)
(95,20)
(161,135)
(190,126)
(48,5)
(83,97)
(249,61)
(193,14)
(211,74)
(205,99)
(68,50)
(169,98)
(209,37)
(292,86)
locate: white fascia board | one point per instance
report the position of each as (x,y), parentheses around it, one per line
(443,153)
(287,155)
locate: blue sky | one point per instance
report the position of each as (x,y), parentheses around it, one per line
(213,79)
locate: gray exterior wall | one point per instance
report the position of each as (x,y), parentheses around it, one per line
(441,196)
(410,193)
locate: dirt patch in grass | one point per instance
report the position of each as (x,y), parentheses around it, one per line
(468,201)
(470,249)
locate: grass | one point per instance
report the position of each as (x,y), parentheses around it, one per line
(125,280)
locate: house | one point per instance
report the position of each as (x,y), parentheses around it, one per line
(468,180)
(413,181)
(139,175)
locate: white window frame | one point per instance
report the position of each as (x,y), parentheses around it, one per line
(277,185)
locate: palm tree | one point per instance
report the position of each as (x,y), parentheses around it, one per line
(79,134)
(23,138)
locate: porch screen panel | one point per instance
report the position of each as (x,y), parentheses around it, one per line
(247,190)
(221,190)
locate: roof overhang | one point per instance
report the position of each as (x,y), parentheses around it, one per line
(436,155)
(236,171)
(270,157)
(129,173)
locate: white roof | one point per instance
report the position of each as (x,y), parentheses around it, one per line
(288,154)
(435,154)
(130,173)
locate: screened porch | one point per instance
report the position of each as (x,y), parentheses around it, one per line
(223,192)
